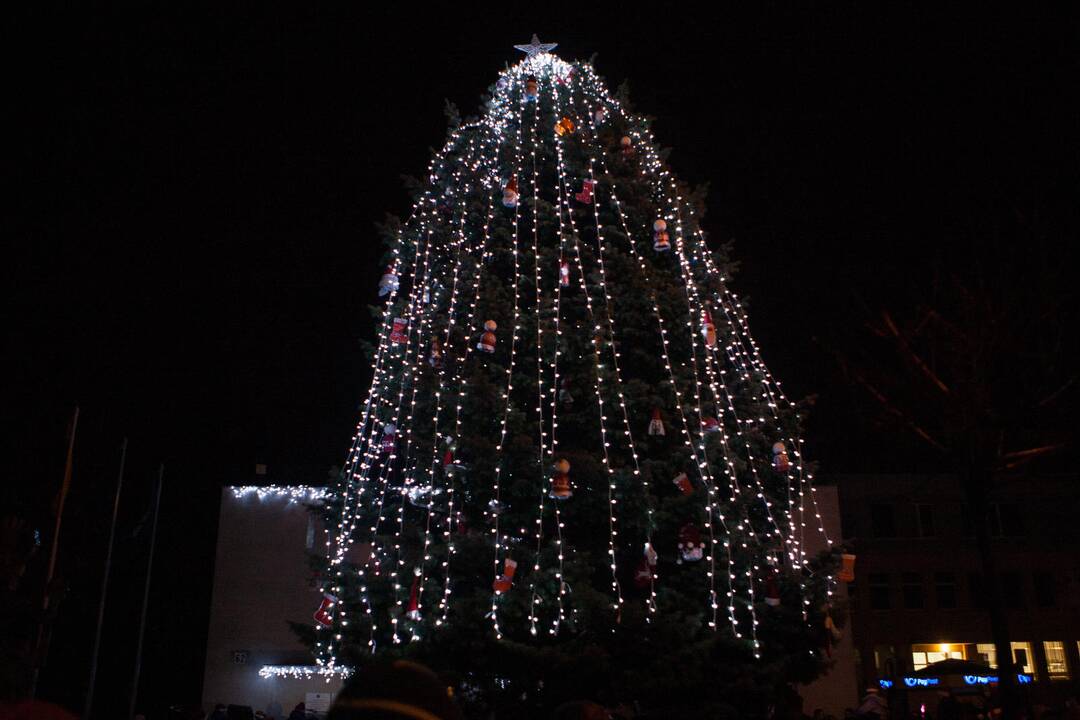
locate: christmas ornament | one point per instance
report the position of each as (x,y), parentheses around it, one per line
(626,147)
(389,438)
(510,192)
(501,83)
(847,568)
(565,126)
(691,548)
(600,115)
(780,460)
(323,616)
(506,580)
(709,425)
(487,338)
(586,194)
(388,283)
(531,90)
(565,397)
(708,330)
(435,359)
(560,484)
(450,462)
(413,611)
(564,273)
(683,483)
(535,47)
(646,569)
(398,331)
(495,507)
(660,243)
(772,590)
(656,425)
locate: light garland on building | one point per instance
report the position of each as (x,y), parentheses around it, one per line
(293,493)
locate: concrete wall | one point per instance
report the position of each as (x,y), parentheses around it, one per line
(261,581)
(837,689)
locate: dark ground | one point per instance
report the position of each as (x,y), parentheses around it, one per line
(193,250)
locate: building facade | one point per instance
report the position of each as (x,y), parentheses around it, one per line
(919,596)
(262,582)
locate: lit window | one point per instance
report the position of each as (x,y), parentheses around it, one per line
(929,653)
(987,654)
(1056,665)
(1022,657)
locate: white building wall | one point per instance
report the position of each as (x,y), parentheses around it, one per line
(262,581)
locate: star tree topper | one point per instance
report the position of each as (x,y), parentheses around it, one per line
(536,47)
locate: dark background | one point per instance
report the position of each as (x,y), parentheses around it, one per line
(193,249)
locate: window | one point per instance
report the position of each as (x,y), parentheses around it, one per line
(1045,592)
(1005,520)
(987,654)
(879,591)
(882,522)
(1012,590)
(849,526)
(913,590)
(1056,666)
(977,590)
(924,520)
(945,590)
(1022,657)
(930,653)
(885,660)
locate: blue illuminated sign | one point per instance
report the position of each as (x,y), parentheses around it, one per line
(885,684)
(993,679)
(921,682)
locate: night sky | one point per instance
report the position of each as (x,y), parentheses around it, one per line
(193,250)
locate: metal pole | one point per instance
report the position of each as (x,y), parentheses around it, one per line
(105,583)
(146,597)
(42,637)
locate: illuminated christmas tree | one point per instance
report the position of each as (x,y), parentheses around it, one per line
(573,475)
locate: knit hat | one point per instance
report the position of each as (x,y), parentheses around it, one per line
(398,690)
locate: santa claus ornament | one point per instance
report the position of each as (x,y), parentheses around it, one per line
(510,192)
(323,615)
(780,460)
(682,482)
(772,590)
(413,611)
(626,147)
(656,425)
(560,483)
(487,338)
(435,359)
(399,331)
(708,330)
(661,241)
(451,464)
(388,283)
(710,425)
(389,438)
(646,569)
(564,273)
(600,115)
(586,194)
(691,547)
(505,581)
(531,88)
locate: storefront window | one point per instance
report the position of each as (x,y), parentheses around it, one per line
(987,654)
(929,653)
(1056,665)
(1022,657)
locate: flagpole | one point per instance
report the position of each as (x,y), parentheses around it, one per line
(39,651)
(105,583)
(146,597)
